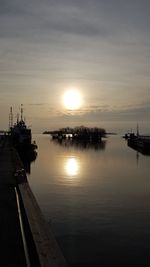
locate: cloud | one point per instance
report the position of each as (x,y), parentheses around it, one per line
(29,18)
(102,46)
(37,104)
(12,7)
(96,114)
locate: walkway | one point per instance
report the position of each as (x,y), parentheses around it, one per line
(11,245)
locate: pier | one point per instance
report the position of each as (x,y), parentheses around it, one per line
(26,238)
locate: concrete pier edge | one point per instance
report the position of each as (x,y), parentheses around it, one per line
(46,252)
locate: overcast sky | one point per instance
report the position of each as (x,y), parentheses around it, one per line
(100,47)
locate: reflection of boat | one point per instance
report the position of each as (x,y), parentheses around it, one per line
(20,134)
(27,158)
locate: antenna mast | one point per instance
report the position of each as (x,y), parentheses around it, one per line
(21,112)
(10,118)
(137,130)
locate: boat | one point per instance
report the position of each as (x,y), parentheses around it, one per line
(126,136)
(139,142)
(21,135)
(142,142)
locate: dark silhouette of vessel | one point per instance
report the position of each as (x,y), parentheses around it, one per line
(139,142)
(21,135)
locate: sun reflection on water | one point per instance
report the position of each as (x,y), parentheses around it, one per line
(72,166)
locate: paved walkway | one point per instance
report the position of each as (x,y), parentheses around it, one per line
(11,246)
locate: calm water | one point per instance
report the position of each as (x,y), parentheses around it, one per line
(97,200)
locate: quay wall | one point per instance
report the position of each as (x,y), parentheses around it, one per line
(42,246)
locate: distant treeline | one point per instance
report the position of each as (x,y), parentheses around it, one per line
(79,132)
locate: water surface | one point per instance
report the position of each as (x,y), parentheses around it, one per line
(97,200)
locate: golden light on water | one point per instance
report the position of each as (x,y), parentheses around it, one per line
(72,99)
(72,166)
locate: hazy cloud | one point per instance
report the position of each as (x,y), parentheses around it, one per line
(100,46)
(37,104)
(99,113)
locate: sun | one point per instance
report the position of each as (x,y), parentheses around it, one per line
(72,99)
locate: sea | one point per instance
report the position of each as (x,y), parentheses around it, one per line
(96,199)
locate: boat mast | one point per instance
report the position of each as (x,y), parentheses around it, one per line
(17,118)
(10,118)
(21,112)
(137,130)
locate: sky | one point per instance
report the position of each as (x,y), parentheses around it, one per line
(99,47)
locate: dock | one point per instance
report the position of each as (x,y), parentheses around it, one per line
(26,238)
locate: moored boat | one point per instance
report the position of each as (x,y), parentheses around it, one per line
(139,142)
(21,135)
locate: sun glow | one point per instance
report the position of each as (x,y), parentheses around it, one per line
(72,166)
(72,99)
